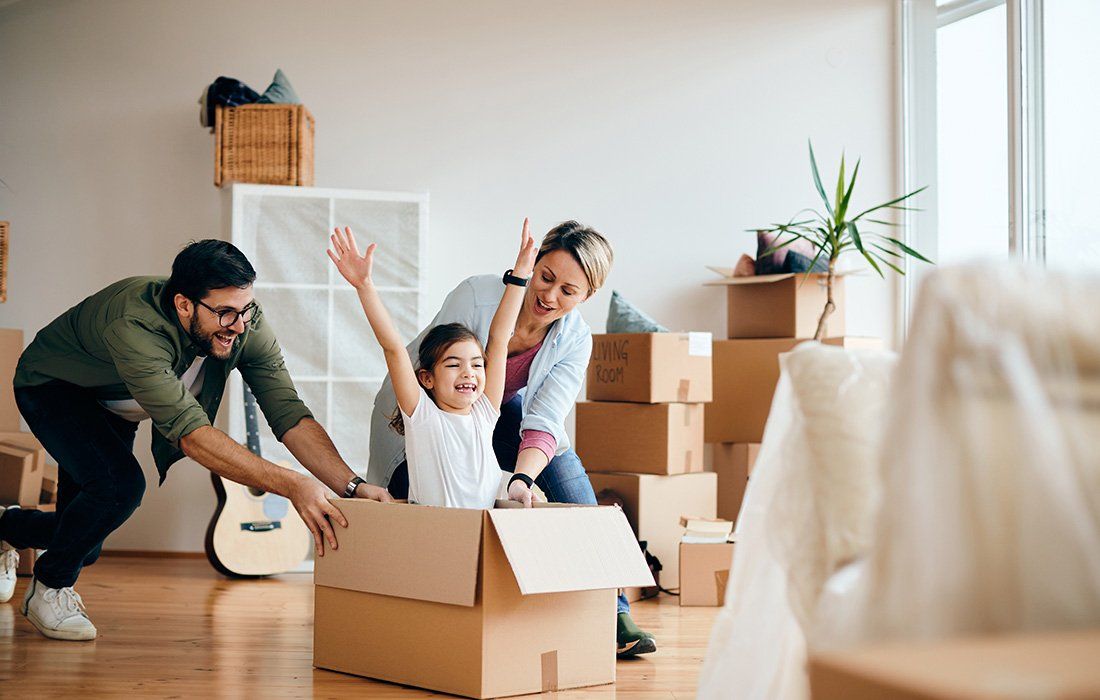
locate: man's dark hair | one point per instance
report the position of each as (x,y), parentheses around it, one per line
(209,264)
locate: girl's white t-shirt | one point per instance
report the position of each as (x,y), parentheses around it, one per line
(451,458)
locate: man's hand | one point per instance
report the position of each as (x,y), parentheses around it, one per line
(374,493)
(518,491)
(310,499)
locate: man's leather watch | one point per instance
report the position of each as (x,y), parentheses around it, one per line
(349,490)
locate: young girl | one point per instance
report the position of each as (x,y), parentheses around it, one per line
(448,406)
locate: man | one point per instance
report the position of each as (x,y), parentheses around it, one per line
(149,347)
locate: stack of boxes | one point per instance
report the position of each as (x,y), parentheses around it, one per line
(26,479)
(640,433)
(767,315)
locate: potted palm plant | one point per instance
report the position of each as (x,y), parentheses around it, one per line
(835,232)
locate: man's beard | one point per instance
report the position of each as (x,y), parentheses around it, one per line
(205,343)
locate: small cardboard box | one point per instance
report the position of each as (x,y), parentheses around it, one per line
(745,375)
(21,471)
(654,504)
(663,438)
(1046,665)
(732,462)
(781,306)
(650,367)
(11,347)
(704,572)
(49,485)
(474,602)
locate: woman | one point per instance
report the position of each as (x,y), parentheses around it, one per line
(546,366)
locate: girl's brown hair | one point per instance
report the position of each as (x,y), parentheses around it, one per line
(434,347)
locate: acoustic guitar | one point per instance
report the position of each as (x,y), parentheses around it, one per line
(254,533)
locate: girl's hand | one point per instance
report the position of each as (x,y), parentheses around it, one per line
(528,250)
(354,267)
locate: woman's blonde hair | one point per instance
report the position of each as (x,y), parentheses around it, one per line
(590,249)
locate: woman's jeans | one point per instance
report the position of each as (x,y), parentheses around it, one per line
(100,482)
(564,479)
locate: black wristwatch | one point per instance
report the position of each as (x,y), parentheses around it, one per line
(509,278)
(349,490)
(519,476)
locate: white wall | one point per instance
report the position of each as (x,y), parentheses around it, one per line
(670,126)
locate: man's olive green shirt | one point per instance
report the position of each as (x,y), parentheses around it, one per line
(126,342)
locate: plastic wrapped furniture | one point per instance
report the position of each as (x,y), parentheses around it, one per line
(991,517)
(808,510)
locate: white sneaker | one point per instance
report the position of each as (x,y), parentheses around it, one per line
(58,613)
(9,562)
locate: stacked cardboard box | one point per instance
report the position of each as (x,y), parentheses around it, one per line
(767,315)
(640,433)
(26,479)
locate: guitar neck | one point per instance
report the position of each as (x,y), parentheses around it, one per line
(251,422)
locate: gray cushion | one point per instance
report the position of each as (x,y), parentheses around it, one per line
(280,91)
(624,317)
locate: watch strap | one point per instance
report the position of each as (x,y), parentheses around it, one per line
(518,476)
(509,278)
(349,490)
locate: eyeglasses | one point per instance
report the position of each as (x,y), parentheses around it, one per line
(228,317)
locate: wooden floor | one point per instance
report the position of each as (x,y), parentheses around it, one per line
(172,628)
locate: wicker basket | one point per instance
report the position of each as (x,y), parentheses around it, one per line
(271,144)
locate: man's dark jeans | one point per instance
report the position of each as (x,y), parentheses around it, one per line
(100,482)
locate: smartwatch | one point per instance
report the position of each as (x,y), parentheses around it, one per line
(509,278)
(349,490)
(518,476)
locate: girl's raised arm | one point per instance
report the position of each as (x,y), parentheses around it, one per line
(356,269)
(504,320)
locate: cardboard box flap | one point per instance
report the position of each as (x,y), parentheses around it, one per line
(570,549)
(407,551)
(768,279)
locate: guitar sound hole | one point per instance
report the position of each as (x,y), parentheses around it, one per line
(255,491)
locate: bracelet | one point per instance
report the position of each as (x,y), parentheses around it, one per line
(528,481)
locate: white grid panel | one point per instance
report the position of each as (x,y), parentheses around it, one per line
(331,353)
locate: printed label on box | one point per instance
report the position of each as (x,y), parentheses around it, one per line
(700,344)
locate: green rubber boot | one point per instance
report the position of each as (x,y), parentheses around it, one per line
(631,640)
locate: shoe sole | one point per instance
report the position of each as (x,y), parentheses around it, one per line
(73,636)
(645,645)
(6,596)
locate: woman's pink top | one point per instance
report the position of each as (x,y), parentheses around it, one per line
(516,372)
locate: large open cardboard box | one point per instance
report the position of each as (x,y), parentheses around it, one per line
(654,505)
(11,347)
(781,306)
(650,367)
(664,438)
(1036,665)
(745,375)
(481,603)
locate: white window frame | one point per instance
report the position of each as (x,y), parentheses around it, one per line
(918,21)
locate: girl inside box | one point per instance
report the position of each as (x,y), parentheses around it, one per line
(449,404)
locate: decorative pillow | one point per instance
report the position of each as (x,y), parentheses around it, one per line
(624,317)
(796,257)
(279,91)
